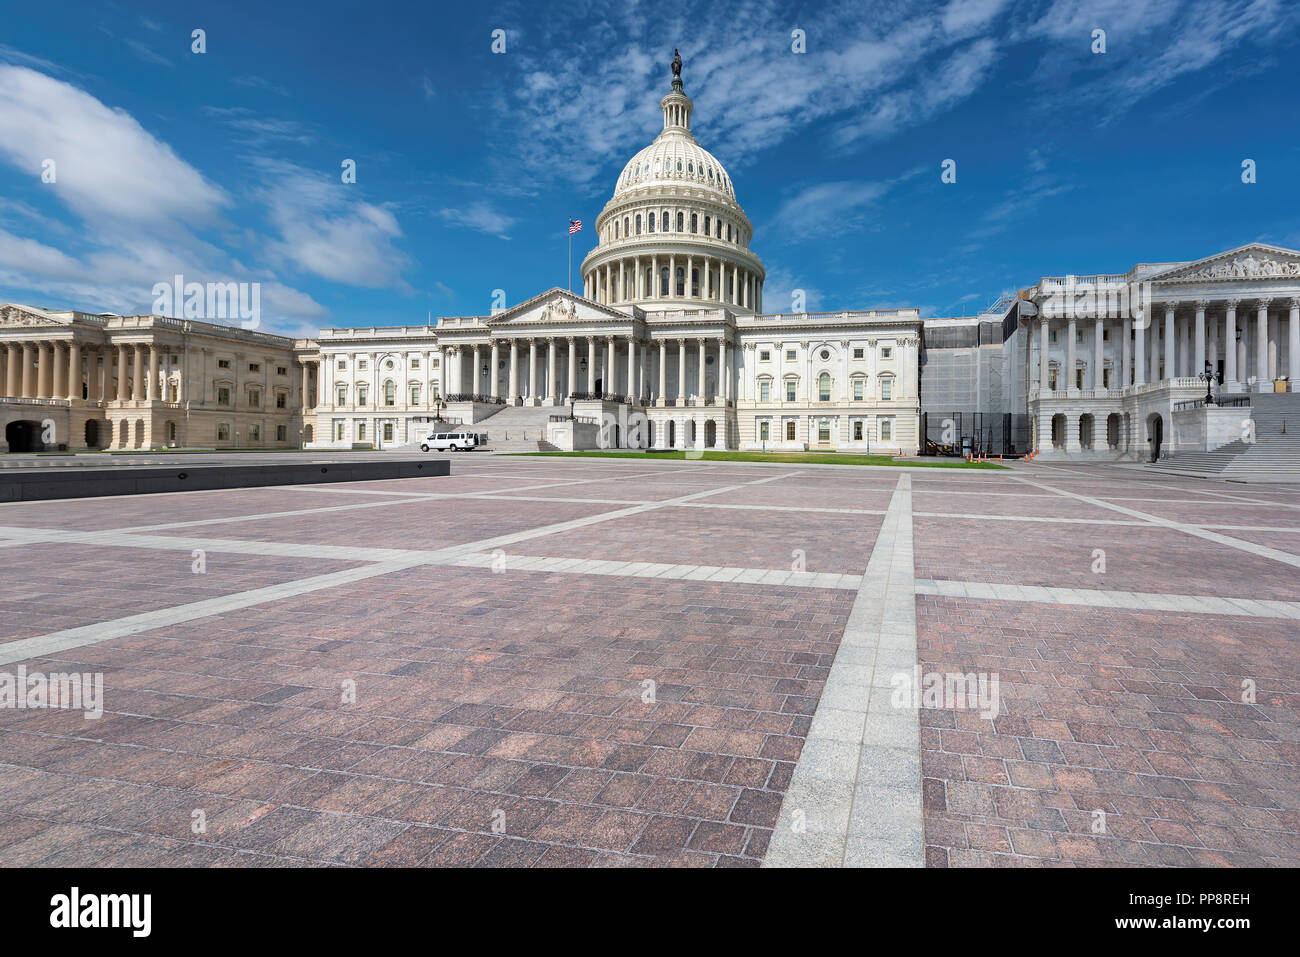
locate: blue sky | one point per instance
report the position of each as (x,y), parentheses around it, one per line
(226,165)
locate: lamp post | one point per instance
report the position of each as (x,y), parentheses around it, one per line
(1208,376)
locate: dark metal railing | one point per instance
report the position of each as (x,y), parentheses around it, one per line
(475,397)
(1226,401)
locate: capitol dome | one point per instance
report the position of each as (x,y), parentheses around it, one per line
(673,235)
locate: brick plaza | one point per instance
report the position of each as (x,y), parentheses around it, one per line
(575,662)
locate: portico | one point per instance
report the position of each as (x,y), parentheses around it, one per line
(1126,350)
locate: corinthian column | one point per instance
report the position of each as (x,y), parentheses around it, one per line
(551,394)
(663,373)
(703,347)
(1261,344)
(1293,346)
(681,371)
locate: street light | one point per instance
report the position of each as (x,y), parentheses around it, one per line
(1208,376)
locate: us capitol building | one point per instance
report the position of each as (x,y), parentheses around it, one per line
(669,346)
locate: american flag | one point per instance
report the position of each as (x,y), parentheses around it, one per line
(575,226)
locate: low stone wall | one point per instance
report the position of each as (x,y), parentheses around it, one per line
(41,484)
(1206,429)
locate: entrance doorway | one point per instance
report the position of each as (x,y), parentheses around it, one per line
(23,436)
(1156,431)
(92,433)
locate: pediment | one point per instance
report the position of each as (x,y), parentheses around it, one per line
(555,306)
(13,314)
(1253,261)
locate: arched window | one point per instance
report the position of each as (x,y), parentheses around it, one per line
(681,222)
(638,224)
(390,393)
(695,223)
(626,223)
(728,232)
(650,223)
(664,224)
(616,229)
(681,281)
(663,281)
(719,233)
(695,283)
(708,220)
(824,387)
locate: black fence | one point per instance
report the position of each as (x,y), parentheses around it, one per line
(975,433)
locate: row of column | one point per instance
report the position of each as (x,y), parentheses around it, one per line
(638,380)
(626,280)
(53,369)
(1185,348)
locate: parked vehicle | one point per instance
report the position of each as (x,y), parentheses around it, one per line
(449,442)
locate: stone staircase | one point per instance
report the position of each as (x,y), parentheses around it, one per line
(1276,448)
(518,428)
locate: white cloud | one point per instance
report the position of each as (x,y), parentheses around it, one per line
(327,230)
(110,169)
(140,207)
(480,217)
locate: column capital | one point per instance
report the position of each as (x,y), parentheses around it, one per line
(1170,305)
(1202,304)
(1231,304)
(1295,302)
(1263,302)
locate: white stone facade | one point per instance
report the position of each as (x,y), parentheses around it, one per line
(1111,357)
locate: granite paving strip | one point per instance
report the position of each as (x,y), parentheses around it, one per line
(855,797)
(1260,550)
(1147,601)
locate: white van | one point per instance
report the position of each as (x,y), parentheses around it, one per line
(449,442)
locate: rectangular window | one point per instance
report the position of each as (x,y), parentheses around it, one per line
(858,389)
(824,432)
(789,430)
(886,352)
(886,388)
(765,391)
(1051,379)
(281,433)
(338,431)
(343,364)
(361,363)
(415,362)
(361,431)
(789,390)
(415,395)
(281,400)
(1105,378)
(857,430)
(764,355)
(764,431)
(1078,378)
(343,395)
(281,370)
(254,399)
(223,363)
(388,431)
(254,367)
(223,432)
(223,395)
(859,352)
(790,355)
(255,433)
(173,393)
(886,428)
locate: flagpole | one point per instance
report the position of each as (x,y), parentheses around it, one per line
(570,260)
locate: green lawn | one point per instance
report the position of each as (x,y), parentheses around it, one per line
(813,458)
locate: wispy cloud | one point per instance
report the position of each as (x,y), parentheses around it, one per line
(481,217)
